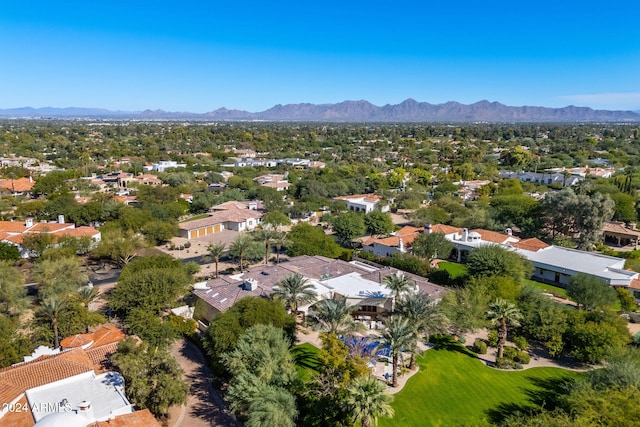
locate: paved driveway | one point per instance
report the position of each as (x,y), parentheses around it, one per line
(204,408)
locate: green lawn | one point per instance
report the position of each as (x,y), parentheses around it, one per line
(455,270)
(555,290)
(454,388)
(193,218)
(306,358)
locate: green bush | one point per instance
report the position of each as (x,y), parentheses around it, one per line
(522,357)
(520,342)
(480,347)
(510,352)
(492,338)
(504,363)
(517,365)
(462,340)
(186,327)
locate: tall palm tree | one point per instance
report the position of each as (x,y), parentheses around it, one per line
(88,295)
(239,247)
(266,235)
(399,336)
(503,313)
(52,307)
(216,250)
(279,242)
(425,316)
(397,284)
(333,316)
(293,290)
(367,399)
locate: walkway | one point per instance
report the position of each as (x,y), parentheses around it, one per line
(204,408)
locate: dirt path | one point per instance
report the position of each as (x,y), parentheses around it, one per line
(204,408)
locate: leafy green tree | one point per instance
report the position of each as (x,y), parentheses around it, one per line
(430,246)
(378,222)
(367,399)
(590,292)
(308,240)
(121,246)
(493,260)
(465,308)
(58,277)
(150,283)
(13,345)
(627,300)
(159,231)
(12,292)
(36,243)
(261,365)
(153,377)
(224,330)
(275,219)
(501,314)
(399,336)
(347,226)
(9,252)
(333,316)
(293,290)
(592,335)
(621,368)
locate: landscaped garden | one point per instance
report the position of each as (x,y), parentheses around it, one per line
(455,388)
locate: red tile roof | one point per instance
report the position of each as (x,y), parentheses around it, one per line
(19,185)
(142,418)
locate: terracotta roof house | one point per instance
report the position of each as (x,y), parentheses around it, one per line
(13,232)
(360,283)
(18,186)
(69,389)
(619,234)
(237,216)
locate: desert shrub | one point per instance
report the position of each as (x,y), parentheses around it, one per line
(480,347)
(520,342)
(517,365)
(510,352)
(522,357)
(504,363)
(492,338)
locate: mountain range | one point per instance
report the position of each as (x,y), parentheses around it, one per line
(409,110)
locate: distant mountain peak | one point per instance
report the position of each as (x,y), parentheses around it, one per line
(361,110)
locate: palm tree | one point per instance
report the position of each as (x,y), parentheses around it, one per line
(240,246)
(279,242)
(266,235)
(293,290)
(425,316)
(367,399)
(216,250)
(52,307)
(88,295)
(502,313)
(272,406)
(333,316)
(399,336)
(397,284)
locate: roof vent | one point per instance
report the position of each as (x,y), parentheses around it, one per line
(250,284)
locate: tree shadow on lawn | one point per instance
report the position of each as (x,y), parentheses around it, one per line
(544,395)
(447,342)
(305,357)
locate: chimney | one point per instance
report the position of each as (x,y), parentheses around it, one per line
(465,234)
(509,232)
(60,219)
(400,245)
(85,409)
(428,229)
(29,222)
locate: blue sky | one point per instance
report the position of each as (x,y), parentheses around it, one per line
(198,56)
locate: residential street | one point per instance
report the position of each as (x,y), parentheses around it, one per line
(203,407)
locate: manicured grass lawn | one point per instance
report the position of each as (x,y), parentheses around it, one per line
(455,270)
(453,388)
(306,358)
(193,218)
(555,290)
